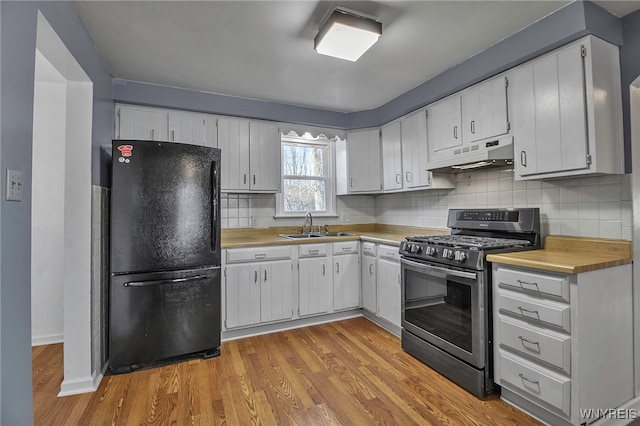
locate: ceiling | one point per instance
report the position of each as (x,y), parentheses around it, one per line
(264,49)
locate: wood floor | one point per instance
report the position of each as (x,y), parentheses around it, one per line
(348,372)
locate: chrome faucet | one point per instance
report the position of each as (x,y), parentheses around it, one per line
(308,219)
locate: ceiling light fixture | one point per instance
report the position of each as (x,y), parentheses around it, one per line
(346,35)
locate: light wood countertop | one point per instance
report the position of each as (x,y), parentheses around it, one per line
(378,233)
(570,255)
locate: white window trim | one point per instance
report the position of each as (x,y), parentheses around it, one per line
(331,178)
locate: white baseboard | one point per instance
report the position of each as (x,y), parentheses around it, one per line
(47,339)
(80,385)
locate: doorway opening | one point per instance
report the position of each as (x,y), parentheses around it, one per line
(61,208)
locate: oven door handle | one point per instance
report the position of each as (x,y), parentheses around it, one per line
(451,272)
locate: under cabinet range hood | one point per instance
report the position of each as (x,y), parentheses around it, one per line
(482,155)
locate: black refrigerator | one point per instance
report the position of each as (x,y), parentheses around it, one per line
(164,289)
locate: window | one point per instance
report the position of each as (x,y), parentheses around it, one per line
(307,177)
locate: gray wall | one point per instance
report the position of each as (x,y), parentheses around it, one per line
(567,24)
(17,61)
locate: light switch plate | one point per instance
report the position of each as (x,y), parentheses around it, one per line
(13,191)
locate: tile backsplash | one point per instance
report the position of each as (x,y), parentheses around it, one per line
(587,206)
(597,206)
(252,210)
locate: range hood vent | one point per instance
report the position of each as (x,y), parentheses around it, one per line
(491,154)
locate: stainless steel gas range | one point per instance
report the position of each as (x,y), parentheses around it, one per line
(446,291)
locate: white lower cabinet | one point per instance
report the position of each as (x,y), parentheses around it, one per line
(346,275)
(315,279)
(563,343)
(389,290)
(258,292)
(368,278)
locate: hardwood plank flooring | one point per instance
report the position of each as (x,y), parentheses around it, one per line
(343,373)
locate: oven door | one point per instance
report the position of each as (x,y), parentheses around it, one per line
(446,308)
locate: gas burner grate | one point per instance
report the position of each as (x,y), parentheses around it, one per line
(469,241)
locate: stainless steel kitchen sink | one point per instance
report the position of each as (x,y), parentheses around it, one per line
(299,236)
(316,235)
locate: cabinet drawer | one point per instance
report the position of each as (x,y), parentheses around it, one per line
(369,248)
(534,283)
(534,310)
(389,252)
(544,345)
(536,383)
(258,253)
(345,247)
(312,250)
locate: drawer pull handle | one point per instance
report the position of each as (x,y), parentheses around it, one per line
(523,283)
(260,255)
(523,310)
(523,341)
(524,379)
(346,248)
(314,251)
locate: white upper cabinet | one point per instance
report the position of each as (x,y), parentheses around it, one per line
(444,131)
(467,122)
(391,156)
(567,112)
(415,151)
(233,141)
(484,110)
(250,155)
(363,161)
(141,123)
(188,128)
(264,156)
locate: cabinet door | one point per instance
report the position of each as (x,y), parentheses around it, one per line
(142,124)
(242,294)
(264,156)
(363,161)
(276,291)
(389,290)
(484,110)
(368,277)
(391,157)
(346,281)
(188,128)
(233,141)
(550,122)
(315,290)
(415,151)
(444,131)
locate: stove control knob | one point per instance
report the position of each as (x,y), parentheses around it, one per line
(415,248)
(431,251)
(460,256)
(447,254)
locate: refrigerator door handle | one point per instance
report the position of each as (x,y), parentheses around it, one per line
(159,282)
(214,206)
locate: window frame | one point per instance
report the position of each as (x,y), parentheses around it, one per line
(330,178)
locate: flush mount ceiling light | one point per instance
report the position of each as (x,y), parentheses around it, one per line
(346,35)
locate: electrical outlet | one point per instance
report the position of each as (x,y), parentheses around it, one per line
(13,191)
(345,218)
(254,221)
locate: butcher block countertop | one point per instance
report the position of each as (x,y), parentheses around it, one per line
(570,255)
(374,232)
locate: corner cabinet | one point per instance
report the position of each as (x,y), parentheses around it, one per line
(567,112)
(363,161)
(250,155)
(563,344)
